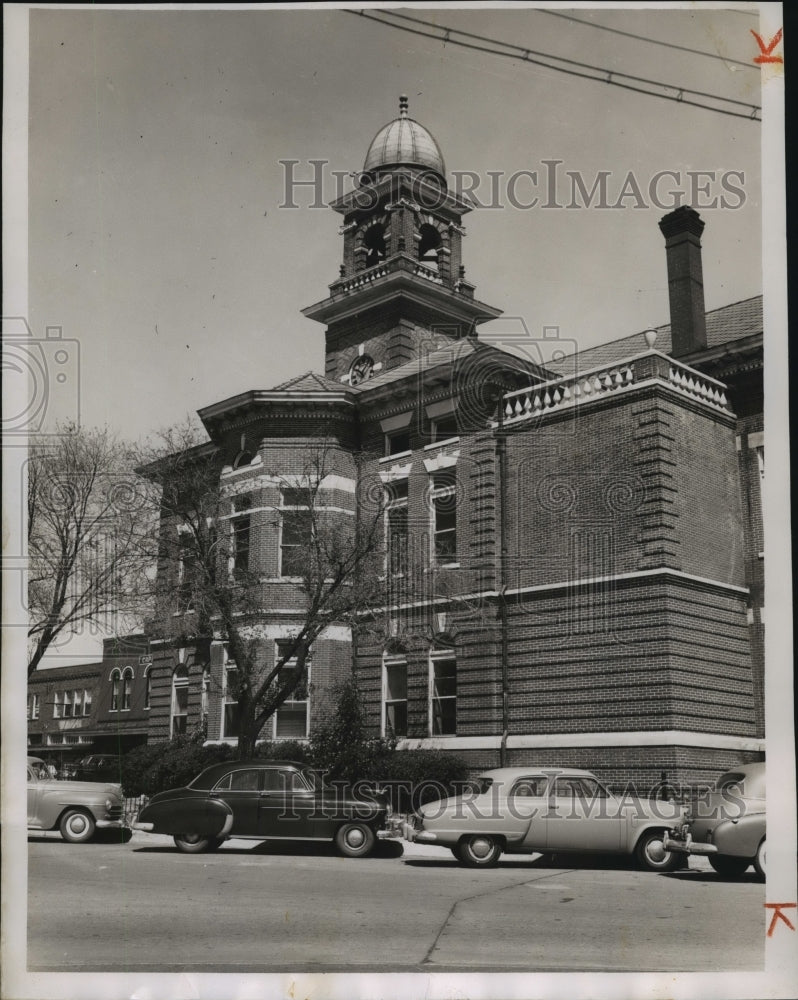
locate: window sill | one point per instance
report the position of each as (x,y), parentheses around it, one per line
(442,444)
(393,458)
(437,566)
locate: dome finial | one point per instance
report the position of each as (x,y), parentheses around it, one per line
(403,106)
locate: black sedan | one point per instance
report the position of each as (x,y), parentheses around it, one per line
(265,800)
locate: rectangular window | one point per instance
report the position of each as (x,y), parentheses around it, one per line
(240,526)
(34,706)
(296,533)
(232,715)
(395,688)
(760,458)
(86,702)
(180,709)
(443,693)
(397,442)
(291,718)
(77,703)
(443,496)
(187,574)
(67,704)
(397,527)
(57,705)
(445,427)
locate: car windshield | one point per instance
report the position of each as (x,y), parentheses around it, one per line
(39,768)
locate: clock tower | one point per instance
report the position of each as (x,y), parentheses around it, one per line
(402,289)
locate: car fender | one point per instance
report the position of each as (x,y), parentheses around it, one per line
(740,837)
(208,817)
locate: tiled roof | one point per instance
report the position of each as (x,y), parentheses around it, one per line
(450,354)
(311,382)
(725,325)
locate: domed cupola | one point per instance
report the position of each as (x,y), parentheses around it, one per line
(404,143)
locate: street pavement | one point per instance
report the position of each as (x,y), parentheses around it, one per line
(258,907)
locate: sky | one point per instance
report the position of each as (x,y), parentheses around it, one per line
(156,238)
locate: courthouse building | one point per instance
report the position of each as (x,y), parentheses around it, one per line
(573,544)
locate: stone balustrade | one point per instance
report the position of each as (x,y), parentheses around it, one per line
(399,262)
(572,390)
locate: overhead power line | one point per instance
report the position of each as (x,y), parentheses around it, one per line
(653,41)
(626,81)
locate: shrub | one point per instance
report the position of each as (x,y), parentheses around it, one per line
(158,766)
(343,748)
(414,777)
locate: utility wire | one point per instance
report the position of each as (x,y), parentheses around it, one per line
(610,77)
(653,41)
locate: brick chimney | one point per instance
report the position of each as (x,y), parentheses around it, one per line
(682,230)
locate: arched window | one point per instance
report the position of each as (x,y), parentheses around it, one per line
(374,242)
(429,245)
(116,684)
(127,688)
(243,458)
(179,700)
(147,687)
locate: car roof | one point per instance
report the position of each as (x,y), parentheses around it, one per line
(511,773)
(35,760)
(211,774)
(753,778)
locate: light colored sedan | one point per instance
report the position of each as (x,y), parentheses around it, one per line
(727,825)
(525,810)
(76,808)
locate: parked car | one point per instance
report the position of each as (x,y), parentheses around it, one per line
(728,825)
(76,808)
(524,810)
(98,767)
(265,800)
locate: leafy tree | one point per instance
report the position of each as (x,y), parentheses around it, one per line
(88,537)
(221,597)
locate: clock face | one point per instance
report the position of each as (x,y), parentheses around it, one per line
(362,368)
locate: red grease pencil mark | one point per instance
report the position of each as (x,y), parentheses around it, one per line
(778,915)
(766,50)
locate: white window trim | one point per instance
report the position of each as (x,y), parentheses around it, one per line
(148,688)
(127,674)
(390,505)
(274,737)
(390,660)
(438,655)
(227,666)
(116,677)
(434,493)
(183,682)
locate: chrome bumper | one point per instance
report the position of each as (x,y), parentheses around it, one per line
(415,836)
(687,845)
(393,829)
(147,827)
(110,824)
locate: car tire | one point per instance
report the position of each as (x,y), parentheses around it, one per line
(759,860)
(355,840)
(456,851)
(192,843)
(77,826)
(652,856)
(479,851)
(729,866)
